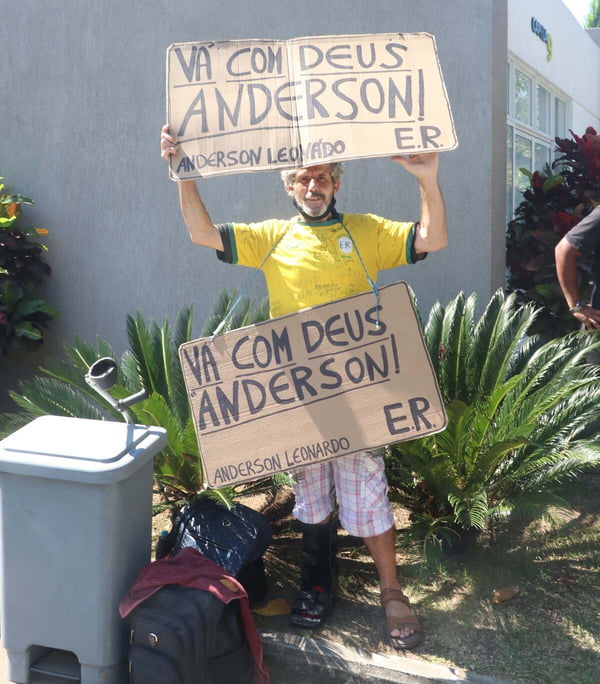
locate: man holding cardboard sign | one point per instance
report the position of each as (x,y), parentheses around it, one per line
(316,257)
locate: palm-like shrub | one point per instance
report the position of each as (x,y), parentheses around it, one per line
(522,416)
(151,363)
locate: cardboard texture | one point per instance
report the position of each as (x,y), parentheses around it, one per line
(314,385)
(254,105)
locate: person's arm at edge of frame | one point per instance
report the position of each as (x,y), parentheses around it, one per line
(197,219)
(432,232)
(566,270)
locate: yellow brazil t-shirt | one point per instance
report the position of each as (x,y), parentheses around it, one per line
(315,262)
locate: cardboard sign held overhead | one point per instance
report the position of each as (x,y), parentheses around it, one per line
(255,105)
(311,386)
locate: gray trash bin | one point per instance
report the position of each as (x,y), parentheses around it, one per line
(75,528)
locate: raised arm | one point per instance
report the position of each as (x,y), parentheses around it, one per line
(432,233)
(197,219)
(566,270)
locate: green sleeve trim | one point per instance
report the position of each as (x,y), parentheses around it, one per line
(410,242)
(413,257)
(234,252)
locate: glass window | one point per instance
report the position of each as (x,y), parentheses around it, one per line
(543,110)
(535,116)
(560,118)
(508,98)
(522,97)
(541,156)
(523,159)
(509,172)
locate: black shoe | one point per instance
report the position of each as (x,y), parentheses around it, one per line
(311,607)
(316,596)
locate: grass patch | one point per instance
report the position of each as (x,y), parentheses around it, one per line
(548,633)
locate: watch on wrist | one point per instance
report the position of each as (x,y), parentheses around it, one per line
(578,306)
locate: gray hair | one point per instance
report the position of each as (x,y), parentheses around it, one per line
(336,169)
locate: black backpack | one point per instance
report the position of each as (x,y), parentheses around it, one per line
(182,635)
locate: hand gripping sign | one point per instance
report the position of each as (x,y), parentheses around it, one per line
(311,386)
(254,105)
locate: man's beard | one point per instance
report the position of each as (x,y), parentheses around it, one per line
(310,211)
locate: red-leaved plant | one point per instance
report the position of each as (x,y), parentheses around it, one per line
(557,198)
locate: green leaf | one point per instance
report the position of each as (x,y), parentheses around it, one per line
(129,369)
(546,292)
(27,307)
(26,329)
(12,199)
(552,182)
(82,354)
(179,397)
(224,496)
(10,422)
(433,334)
(74,376)
(189,443)
(144,346)
(183,326)
(174,466)
(42,396)
(155,411)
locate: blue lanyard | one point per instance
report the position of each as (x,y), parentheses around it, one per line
(362,263)
(246,287)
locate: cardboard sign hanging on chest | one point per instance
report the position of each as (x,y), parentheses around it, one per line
(331,380)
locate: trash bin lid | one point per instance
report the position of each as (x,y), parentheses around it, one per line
(79,449)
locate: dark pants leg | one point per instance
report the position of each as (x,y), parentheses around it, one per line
(317,588)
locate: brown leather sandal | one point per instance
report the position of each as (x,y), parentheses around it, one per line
(394,622)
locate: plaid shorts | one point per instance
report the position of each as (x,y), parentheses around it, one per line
(358,482)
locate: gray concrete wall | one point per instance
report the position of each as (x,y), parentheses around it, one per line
(81,110)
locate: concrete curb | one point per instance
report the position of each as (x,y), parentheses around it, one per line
(295,659)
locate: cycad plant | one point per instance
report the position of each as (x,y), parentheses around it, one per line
(522,418)
(150,363)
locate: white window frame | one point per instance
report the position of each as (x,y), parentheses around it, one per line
(530,131)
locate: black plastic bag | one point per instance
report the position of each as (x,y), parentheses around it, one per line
(234,538)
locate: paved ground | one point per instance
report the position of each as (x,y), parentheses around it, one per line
(295,659)
(298,660)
